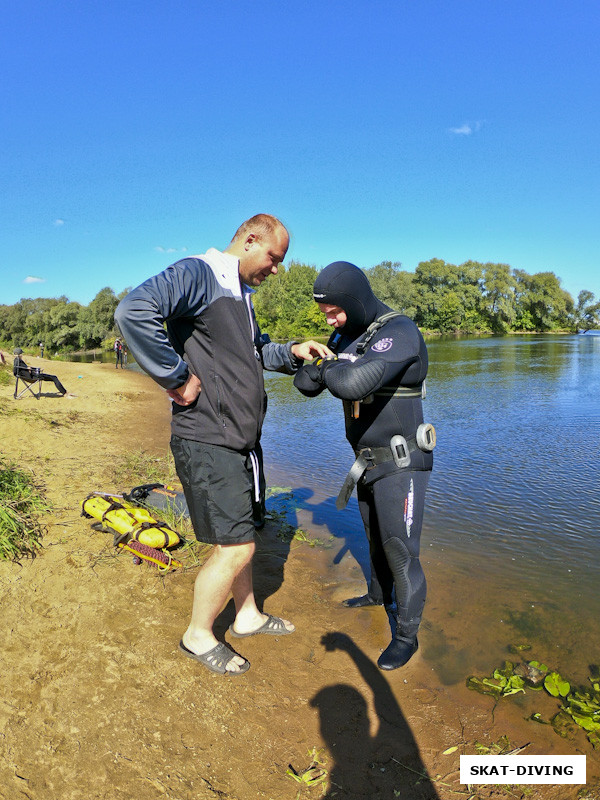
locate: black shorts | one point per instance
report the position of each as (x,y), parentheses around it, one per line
(218,485)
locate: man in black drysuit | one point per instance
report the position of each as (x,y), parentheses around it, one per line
(381,391)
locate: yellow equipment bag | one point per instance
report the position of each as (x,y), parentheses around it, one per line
(131,522)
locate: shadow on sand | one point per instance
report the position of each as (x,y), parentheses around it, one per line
(383,765)
(268,567)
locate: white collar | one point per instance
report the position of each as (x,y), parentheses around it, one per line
(218,260)
(226,268)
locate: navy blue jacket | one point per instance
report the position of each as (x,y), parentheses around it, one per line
(210,331)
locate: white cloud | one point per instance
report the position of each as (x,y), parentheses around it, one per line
(161,249)
(33,279)
(467,128)
(59,222)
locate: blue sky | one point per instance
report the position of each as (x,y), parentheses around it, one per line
(133,133)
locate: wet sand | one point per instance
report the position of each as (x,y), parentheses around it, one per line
(97,703)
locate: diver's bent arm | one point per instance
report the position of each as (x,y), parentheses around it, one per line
(354,381)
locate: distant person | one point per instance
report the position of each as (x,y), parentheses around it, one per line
(210,360)
(118,348)
(41,349)
(379,371)
(32,374)
(124,351)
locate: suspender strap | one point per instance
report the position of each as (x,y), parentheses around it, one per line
(373,328)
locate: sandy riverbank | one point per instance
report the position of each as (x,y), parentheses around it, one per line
(98,704)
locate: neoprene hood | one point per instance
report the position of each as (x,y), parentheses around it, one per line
(345,285)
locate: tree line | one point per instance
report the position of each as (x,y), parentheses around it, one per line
(60,324)
(440,297)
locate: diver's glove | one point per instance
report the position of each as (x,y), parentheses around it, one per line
(317,368)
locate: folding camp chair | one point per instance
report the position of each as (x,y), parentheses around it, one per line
(30,377)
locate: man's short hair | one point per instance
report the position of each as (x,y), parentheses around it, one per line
(261,225)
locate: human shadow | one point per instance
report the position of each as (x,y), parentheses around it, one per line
(273,545)
(325,515)
(380,766)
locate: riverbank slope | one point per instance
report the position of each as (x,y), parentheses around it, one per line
(99,704)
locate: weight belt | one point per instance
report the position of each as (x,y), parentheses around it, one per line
(369,457)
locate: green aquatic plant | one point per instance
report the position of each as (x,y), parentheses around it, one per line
(537,717)
(280,491)
(579,705)
(502,683)
(556,685)
(584,707)
(302,537)
(287,533)
(284,502)
(563,725)
(21,503)
(497,748)
(516,649)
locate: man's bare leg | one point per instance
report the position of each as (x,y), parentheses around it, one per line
(247,616)
(212,587)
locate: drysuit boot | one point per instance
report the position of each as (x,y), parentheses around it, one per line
(360,602)
(398,653)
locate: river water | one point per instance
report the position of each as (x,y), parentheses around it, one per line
(511,539)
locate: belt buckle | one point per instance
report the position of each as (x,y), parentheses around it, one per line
(367,454)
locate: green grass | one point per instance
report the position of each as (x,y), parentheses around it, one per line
(6,376)
(21,503)
(138,467)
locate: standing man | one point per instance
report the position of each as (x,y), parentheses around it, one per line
(210,360)
(118,348)
(378,371)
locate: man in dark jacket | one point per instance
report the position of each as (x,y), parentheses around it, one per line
(210,360)
(378,371)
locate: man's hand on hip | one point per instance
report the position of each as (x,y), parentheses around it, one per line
(311,349)
(188,393)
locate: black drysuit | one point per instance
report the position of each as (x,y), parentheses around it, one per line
(388,380)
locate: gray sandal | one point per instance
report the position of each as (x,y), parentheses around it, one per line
(216,660)
(272,625)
